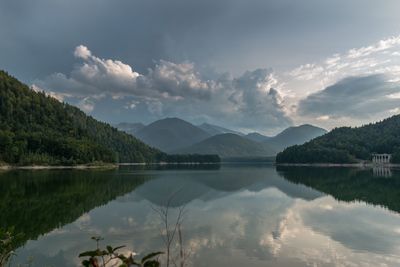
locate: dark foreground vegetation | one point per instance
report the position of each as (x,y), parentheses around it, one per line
(348,145)
(110,256)
(98,257)
(38,129)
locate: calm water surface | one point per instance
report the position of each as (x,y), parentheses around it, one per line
(235,215)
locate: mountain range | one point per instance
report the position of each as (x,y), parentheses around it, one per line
(171,134)
(215,129)
(229,145)
(174,135)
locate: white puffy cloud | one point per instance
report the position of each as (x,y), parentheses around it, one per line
(82,52)
(86,104)
(179,80)
(172,89)
(97,75)
(59,96)
(255,99)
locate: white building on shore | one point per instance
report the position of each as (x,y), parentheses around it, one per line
(381,158)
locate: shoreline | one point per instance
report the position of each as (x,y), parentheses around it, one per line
(117,165)
(101,166)
(58,167)
(168,163)
(351,165)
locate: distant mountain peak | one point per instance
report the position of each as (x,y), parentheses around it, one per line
(215,129)
(295,135)
(170,134)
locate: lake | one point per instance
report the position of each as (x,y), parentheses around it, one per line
(234,215)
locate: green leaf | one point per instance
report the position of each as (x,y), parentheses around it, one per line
(116,248)
(110,249)
(102,253)
(91,253)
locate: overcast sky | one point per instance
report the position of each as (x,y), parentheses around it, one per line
(249,65)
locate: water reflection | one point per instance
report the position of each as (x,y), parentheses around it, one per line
(36,202)
(242,216)
(382,171)
(349,184)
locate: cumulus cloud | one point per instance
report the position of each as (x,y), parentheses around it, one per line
(172,89)
(96,75)
(179,80)
(255,99)
(359,97)
(86,104)
(59,96)
(82,52)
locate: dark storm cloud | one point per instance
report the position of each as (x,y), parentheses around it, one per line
(231,34)
(160,58)
(358,97)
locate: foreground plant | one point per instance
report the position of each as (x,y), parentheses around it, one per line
(111,257)
(8,240)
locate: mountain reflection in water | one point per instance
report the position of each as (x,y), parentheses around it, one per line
(245,215)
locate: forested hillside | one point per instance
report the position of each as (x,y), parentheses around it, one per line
(347,145)
(38,129)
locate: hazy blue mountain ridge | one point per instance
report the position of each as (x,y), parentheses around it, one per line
(171,134)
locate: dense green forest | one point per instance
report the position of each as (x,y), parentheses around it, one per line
(348,145)
(38,129)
